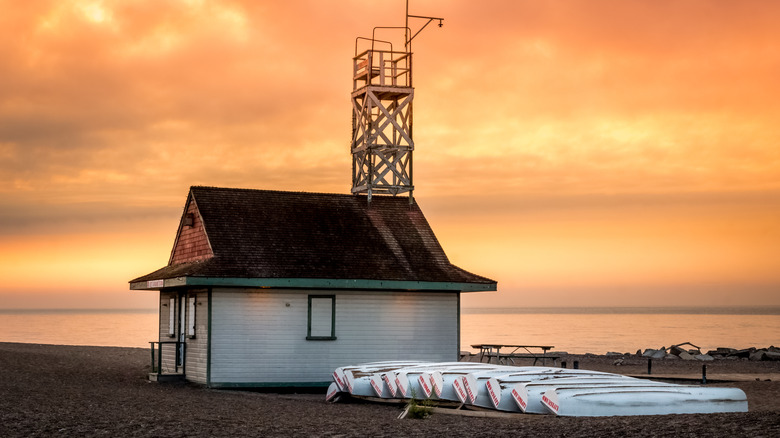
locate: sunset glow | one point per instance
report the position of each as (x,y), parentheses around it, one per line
(584,152)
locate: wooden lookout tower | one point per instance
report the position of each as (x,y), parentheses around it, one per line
(382,97)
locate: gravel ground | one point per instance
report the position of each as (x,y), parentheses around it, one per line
(49,390)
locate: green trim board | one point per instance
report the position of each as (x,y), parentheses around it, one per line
(208,341)
(270,384)
(457,337)
(313,283)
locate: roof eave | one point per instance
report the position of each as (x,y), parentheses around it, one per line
(312,283)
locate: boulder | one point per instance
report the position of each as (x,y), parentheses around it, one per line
(723,351)
(757,355)
(704,357)
(744,352)
(684,355)
(613,354)
(671,357)
(655,354)
(659,354)
(771,355)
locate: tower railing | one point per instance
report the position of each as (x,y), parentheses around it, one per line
(385,68)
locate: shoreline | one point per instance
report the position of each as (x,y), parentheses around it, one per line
(88,391)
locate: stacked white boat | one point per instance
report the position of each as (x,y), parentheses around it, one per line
(530,390)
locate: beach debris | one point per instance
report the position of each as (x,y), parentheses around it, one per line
(677,349)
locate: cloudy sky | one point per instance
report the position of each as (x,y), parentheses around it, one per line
(580,152)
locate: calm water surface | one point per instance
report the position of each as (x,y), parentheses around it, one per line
(575,330)
(105,328)
(600,330)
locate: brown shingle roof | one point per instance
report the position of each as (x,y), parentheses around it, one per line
(274,234)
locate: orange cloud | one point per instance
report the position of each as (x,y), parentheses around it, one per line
(110,110)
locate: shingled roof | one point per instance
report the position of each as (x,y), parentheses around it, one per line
(291,239)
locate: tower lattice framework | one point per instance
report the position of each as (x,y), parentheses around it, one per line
(382,142)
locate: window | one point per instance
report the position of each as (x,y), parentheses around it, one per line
(172,318)
(191,317)
(322,318)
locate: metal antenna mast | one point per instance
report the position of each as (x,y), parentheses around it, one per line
(406,25)
(382,95)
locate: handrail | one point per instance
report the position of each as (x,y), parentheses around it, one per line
(392,52)
(372,44)
(179,355)
(387,65)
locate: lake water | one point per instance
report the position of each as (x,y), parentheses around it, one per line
(105,328)
(600,330)
(575,330)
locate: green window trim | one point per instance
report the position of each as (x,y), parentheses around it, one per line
(318,336)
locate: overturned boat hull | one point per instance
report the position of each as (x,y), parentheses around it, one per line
(602,402)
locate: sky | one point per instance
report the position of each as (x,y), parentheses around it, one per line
(579,152)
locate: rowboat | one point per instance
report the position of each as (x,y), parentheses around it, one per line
(340,379)
(613,401)
(357,379)
(415,382)
(333,393)
(384,382)
(528,396)
(345,377)
(494,392)
(468,386)
(474,384)
(442,380)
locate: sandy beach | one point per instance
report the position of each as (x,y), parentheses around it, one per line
(49,390)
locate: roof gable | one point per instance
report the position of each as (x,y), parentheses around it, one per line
(191,244)
(283,235)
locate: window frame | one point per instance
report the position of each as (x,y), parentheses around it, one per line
(332,336)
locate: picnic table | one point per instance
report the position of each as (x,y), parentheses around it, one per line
(512,352)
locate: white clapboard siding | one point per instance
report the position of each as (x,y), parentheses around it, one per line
(259,336)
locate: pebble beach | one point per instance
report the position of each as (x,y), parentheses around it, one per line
(54,390)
